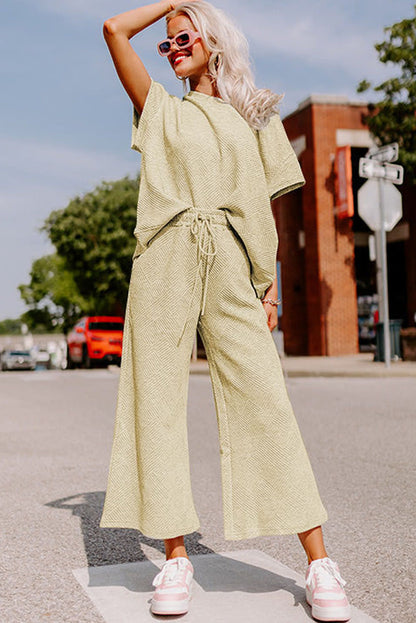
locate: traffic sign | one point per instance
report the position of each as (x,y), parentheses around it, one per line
(369,204)
(385,153)
(380,205)
(368,167)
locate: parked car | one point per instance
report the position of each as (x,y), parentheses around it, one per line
(17,360)
(95,340)
(43,358)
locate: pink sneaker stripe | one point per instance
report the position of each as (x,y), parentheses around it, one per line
(325,592)
(173,587)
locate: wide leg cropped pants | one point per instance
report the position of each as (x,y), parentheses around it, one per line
(195,275)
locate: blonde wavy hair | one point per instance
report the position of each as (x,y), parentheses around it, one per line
(229,63)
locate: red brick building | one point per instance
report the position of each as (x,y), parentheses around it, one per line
(325,261)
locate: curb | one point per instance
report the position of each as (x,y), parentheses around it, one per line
(379,371)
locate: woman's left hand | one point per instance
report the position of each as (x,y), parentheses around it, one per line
(271,313)
(271,310)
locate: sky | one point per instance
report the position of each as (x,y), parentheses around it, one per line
(66,120)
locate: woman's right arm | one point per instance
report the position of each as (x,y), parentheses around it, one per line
(117,32)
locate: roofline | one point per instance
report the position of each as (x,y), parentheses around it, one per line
(317,99)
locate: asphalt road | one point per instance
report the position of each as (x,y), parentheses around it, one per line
(56,431)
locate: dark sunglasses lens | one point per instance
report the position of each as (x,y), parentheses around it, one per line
(183,39)
(164,47)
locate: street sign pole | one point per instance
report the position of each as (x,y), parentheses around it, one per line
(384,280)
(379,272)
(381,218)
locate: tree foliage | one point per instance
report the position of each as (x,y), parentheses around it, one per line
(393,117)
(52,296)
(90,272)
(10,326)
(94,237)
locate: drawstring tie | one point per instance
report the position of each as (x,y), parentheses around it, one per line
(201,228)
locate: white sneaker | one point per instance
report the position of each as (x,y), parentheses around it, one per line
(325,592)
(173,587)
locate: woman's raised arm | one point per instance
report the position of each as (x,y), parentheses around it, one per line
(118,31)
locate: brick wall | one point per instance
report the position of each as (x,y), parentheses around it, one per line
(409,216)
(289,221)
(320,314)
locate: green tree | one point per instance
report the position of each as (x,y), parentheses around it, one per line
(52,296)
(393,117)
(10,326)
(94,238)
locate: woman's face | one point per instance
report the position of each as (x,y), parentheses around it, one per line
(186,62)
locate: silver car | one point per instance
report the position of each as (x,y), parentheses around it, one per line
(42,358)
(17,360)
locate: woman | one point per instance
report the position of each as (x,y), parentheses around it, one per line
(205,260)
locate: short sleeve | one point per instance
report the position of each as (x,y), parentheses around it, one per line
(281,166)
(151,116)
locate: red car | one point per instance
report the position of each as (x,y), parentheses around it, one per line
(95,340)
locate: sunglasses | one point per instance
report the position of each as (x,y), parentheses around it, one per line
(183,39)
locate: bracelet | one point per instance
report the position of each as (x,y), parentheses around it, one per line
(271,301)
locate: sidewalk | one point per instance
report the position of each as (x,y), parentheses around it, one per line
(361,365)
(245,585)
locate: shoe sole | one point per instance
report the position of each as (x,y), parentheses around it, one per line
(329,614)
(170,607)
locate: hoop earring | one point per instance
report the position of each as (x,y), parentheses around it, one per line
(183,80)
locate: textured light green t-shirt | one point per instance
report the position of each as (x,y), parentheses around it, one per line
(199,152)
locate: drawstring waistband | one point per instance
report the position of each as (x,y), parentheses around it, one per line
(201,225)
